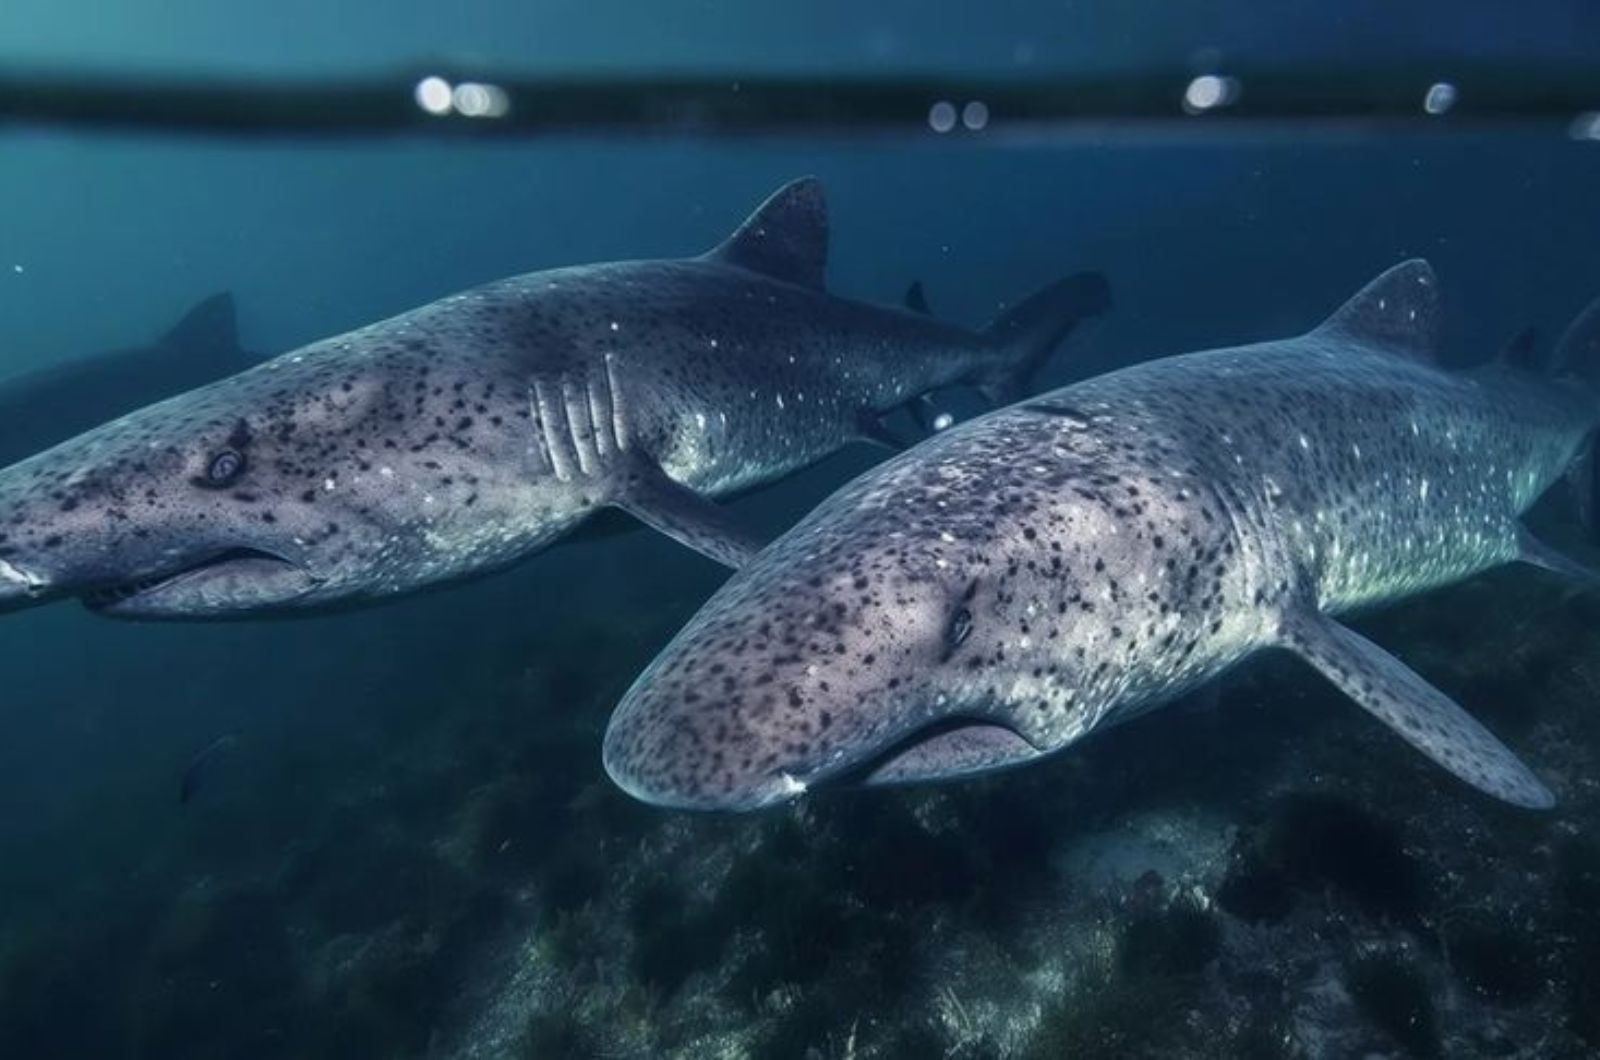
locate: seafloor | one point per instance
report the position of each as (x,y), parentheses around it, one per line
(1274,876)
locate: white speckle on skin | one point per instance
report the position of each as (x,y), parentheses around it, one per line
(328,484)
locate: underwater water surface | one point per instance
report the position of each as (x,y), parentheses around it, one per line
(399,839)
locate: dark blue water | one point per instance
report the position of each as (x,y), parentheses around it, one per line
(413,850)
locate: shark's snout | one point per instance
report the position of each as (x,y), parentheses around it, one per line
(660,753)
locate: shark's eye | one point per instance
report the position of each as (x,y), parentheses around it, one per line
(226,466)
(958,630)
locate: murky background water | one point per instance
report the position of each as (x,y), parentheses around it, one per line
(413,850)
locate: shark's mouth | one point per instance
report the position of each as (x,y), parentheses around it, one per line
(952,747)
(234,579)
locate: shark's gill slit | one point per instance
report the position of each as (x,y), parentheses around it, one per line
(560,463)
(580,426)
(600,420)
(619,429)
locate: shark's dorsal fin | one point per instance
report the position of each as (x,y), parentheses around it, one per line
(917,299)
(1521,353)
(786,238)
(1397,312)
(210,328)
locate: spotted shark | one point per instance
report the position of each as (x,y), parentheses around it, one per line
(466,434)
(1006,588)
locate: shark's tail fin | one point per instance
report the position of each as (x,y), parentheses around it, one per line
(1577,356)
(1029,332)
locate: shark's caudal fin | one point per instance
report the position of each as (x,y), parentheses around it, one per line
(1030,331)
(1398,312)
(1420,714)
(1536,553)
(211,328)
(786,237)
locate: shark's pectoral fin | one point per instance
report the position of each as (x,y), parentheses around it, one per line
(653,498)
(1423,716)
(1532,551)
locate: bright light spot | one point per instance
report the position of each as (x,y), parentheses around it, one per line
(943,421)
(433,95)
(1440,98)
(790,785)
(17,269)
(1209,91)
(1586,126)
(942,116)
(476,100)
(975,115)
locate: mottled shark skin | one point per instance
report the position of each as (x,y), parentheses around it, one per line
(1006,588)
(464,435)
(40,408)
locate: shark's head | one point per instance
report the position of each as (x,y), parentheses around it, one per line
(258,492)
(916,626)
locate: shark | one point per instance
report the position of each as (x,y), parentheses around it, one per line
(464,435)
(1026,579)
(45,406)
